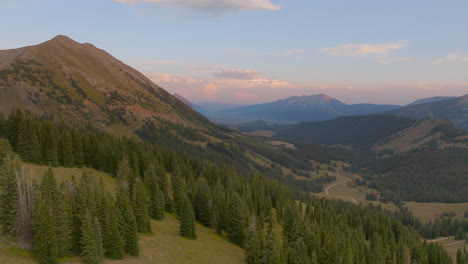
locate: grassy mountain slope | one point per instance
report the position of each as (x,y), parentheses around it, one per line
(81,82)
(454,110)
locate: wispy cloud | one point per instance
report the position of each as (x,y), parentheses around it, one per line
(365,49)
(298,53)
(237,74)
(234,84)
(451,58)
(216,7)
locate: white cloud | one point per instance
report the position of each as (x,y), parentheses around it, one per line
(365,49)
(451,58)
(217,7)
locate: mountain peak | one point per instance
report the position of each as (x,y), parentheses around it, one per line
(63,39)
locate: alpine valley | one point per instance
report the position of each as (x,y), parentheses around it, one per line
(98,164)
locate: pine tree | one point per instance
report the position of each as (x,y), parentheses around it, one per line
(45,231)
(272,253)
(112,239)
(67,150)
(127,223)
(235,226)
(9,206)
(123,174)
(50,190)
(12,126)
(91,244)
(140,207)
(78,153)
(156,208)
(253,249)
(28,142)
(187,219)
(203,202)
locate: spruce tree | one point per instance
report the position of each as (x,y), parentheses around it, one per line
(112,239)
(9,205)
(140,206)
(273,252)
(187,219)
(203,202)
(253,249)
(235,226)
(127,223)
(28,142)
(91,244)
(12,126)
(45,231)
(156,207)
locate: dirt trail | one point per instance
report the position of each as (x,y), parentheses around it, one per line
(333,185)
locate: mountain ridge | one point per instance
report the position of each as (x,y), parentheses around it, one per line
(297,109)
(80,81)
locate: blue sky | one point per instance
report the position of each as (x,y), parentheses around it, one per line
(239,51)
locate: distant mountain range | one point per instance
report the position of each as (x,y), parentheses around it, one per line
(378,132)
(452,109)
(297,109)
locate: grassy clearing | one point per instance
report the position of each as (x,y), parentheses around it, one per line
(452,245)
(165,246)
(431,211)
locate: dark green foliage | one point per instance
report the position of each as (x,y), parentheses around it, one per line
(187,219)
(91,244)
(314,230)
(45,232)
(9,195)
(236,220)
(127,223)
(112,240)
(253,247)
(422,177)
(359,131)
(156,196)
(141,203)
(202,202)
(28,142)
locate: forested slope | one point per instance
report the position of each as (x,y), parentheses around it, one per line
(256,212)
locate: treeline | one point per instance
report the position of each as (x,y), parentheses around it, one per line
(441,227)
(423,177)
(274,223)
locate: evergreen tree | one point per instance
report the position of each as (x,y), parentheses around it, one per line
(45,231)
(9,204)
(28,142)
(141,204)
(202,202)
(156,207)
(112,239)
(272,253)
(91,244)
(127,223)
(253,250)
(12,126)
(187,219)
(235,226)
(67,150)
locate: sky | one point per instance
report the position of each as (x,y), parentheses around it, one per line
(253,51)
